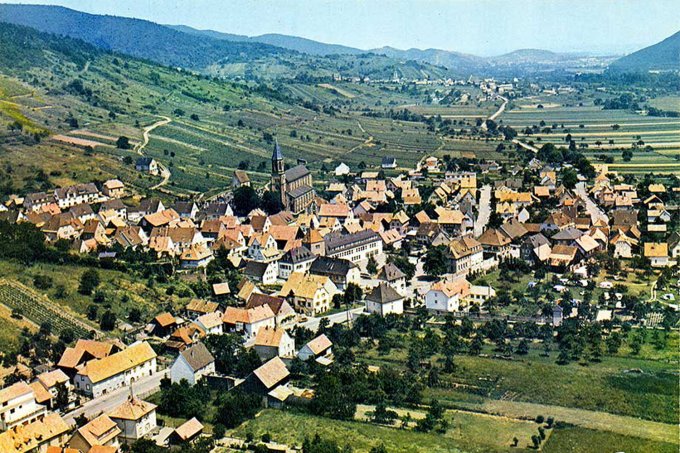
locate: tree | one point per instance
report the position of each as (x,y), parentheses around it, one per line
(245,200)
(108,321)
(61,400)
(271,202)
(569,178)
(378,449)
(88,282)
(331,399)
(235,407)
(371,266)
(383,415)
(435,262)
(123,142)
(523,347)
(627,155)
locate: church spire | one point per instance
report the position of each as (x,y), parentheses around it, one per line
(277,154)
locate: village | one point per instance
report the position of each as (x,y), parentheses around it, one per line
(360,244)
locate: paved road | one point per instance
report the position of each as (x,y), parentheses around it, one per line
(593,210)
(340,317)
(108,402)
(484,210)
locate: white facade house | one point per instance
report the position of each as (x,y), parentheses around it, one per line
(18,406)
(211,323)
(384,300)
(270,343)
(135,418)
(320,346)
(248,321)
(192,364)
(445,296)
(342,169)
(67,197)
(101,376)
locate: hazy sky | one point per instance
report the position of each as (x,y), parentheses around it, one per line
(482,27)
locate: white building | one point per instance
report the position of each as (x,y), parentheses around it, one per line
(135,418)
(211,323)
(384,300)
(342,169)
(18,406)
(192,364)
(270,343)
(320,346)
(101,376)
(445,295)
(356,247)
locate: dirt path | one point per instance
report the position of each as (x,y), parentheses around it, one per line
(147,130)
(524,145)
(164,172)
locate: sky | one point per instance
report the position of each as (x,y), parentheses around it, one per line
(480,27)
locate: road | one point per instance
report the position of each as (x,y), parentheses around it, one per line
(484,210)
(593,210)
(335,318)
(500,110)
(107,403)
(525,145)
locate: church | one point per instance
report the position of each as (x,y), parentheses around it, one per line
(294,184)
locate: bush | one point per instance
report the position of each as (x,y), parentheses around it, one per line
(540,419)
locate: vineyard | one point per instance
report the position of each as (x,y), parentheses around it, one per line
(39,309)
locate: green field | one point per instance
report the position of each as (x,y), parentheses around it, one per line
(468,432)
(580,440)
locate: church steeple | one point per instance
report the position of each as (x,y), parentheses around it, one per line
(279,174)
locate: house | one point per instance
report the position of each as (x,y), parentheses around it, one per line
(249,320)
(384,300)
(586,245)
(341,272)
(263,272)
(84,351)
(445,296)
(465,255)
(624,245)
(99,431)
(186,209)
(310,294)
(495,242)
(199,307)
(18,406)
(163,324)
(282,310)
(46,386)
(274,342)
(394,277)
(37,436)
(101,376)
(535,248)
(298,259)
(211,323)
(113,188)
(388,162)
(195,257)
(320,346)
(184,337)
(342,169)
(67,197)
(221,290)
(562,257)
(186,432)
(240,179)
(147,165)
(263,247)
(135,418)
(657,253)
(314,242)
(674,244)
(267,377)
(192,364)
(356,247)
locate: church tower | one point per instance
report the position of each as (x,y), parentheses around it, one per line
(279,174)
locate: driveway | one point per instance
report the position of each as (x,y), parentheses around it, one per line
(312,323)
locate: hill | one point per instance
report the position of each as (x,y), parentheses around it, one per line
(523,56)
(213,53)
(664,55)
(295,43)
(135,37)
(459,62)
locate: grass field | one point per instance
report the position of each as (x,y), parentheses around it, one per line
(581,440)
(467,433)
